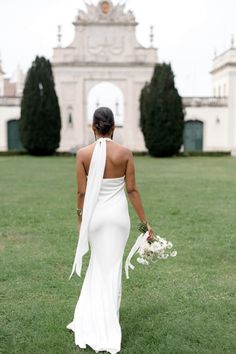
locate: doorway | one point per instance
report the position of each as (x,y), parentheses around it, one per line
(193,135)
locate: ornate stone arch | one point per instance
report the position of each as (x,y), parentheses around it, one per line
(104,49)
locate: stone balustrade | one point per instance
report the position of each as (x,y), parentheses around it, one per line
(205,101)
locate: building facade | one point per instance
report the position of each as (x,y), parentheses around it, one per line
(10,97)
(210,122)
(105,65)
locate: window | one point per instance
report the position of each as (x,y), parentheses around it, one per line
(70,116)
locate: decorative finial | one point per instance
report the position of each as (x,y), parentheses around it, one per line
(59,35)
(232,40)
(151,35)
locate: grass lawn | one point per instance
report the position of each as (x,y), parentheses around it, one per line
(179,306)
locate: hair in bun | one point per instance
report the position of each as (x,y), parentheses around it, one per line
(103,119)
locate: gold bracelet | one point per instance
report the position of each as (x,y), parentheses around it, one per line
(142,227)
(79,211)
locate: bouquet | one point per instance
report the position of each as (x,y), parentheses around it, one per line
(155,249)
(149,250)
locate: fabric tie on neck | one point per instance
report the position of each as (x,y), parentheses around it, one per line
(94,180)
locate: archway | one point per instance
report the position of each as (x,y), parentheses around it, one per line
(105,58)
(13,136)
(193,135)
(109,95)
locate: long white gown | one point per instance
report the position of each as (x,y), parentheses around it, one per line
(96,315)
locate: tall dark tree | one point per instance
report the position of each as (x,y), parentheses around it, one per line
(40,121)
(162,113)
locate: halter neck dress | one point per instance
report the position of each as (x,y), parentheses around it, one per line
(105,228)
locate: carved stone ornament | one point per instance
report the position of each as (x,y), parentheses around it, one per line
(105,7)
(104,12)
(106,45)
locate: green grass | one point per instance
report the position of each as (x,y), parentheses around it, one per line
(182,305)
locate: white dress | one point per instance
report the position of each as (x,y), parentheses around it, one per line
(96,316)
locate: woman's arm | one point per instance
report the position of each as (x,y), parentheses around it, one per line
(133,193)
(81,181)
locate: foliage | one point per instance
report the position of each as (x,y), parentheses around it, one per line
(40,121)
(162,113)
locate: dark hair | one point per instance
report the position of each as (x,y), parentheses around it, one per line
(103,119)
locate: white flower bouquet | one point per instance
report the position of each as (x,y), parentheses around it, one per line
(150,250)
(155,249)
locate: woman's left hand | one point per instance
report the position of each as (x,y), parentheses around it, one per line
(150,233)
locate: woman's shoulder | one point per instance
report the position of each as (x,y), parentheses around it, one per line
(123,150)
(85,150)
(88,149)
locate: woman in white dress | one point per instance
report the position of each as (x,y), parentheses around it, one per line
(104,169)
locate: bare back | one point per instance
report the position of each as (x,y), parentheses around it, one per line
(116,161)
(119,163)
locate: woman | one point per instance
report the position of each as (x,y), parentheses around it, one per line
(104,168)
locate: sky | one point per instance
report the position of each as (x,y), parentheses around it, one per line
(187,33)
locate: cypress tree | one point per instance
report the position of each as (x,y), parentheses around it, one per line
(162,113)
(40,121)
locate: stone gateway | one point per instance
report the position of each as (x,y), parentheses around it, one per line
(104,52)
